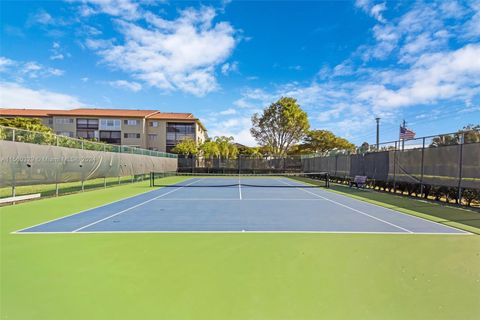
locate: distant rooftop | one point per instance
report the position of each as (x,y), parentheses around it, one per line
(96,112)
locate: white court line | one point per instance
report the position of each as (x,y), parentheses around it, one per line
(348,207)
(405,214)
(93,208)
(239,187)
(235,199)
(135,206)
(247,231)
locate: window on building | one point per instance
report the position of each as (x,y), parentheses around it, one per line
(110,124)
(131,122)
(177,132)
(152,137)
(63,120)
(131,135)
(153,124)
(87,124)
(86,134)
(113,137)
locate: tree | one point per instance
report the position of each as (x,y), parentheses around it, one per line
(35,130)
(250,152)
(364,147)
(324,140)
(186,147)
(209,149)
(227,149)
(471,133)
(445,140)
(31,124)
(280,126)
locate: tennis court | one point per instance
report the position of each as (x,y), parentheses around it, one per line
(241,204)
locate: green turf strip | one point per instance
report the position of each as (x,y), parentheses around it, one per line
(228,276)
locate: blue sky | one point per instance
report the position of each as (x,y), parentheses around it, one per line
(346,62)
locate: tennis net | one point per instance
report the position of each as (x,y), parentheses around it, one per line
(198,180)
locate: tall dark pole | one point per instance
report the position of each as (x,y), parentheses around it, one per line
(403,140)
(378,132)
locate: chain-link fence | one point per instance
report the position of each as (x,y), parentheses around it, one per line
(47,138)
(241,164)
(32,162)
(449,163)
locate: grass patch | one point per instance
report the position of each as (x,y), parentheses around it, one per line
(228,276)
(49,190)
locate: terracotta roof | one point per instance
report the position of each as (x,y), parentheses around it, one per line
(93,112)
(26,112)
(172,115)
(104,112)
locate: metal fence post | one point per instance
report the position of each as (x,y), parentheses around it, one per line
(239,164)
(395,168)
(422,168)
(56,180)
(336,165)
(460,167)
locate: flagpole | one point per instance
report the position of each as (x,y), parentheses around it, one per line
(403,140)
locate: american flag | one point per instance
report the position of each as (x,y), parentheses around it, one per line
(406,134)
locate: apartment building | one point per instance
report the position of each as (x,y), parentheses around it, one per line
(149,129)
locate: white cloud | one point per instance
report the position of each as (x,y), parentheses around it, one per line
(238,128)
(34,70)
(229,67)
(171,55)
(452,9)
(14,95)
(84,79)
(5,63)
(374,10)
(42,17)
(129,85)
(228,112)
(20,71)
(121,8)
(295,67)
(472,26)
(58,53)
(57,57)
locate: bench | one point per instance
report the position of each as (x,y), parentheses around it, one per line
(359,181)
(20,198)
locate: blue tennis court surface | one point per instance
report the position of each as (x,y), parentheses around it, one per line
(279,205)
